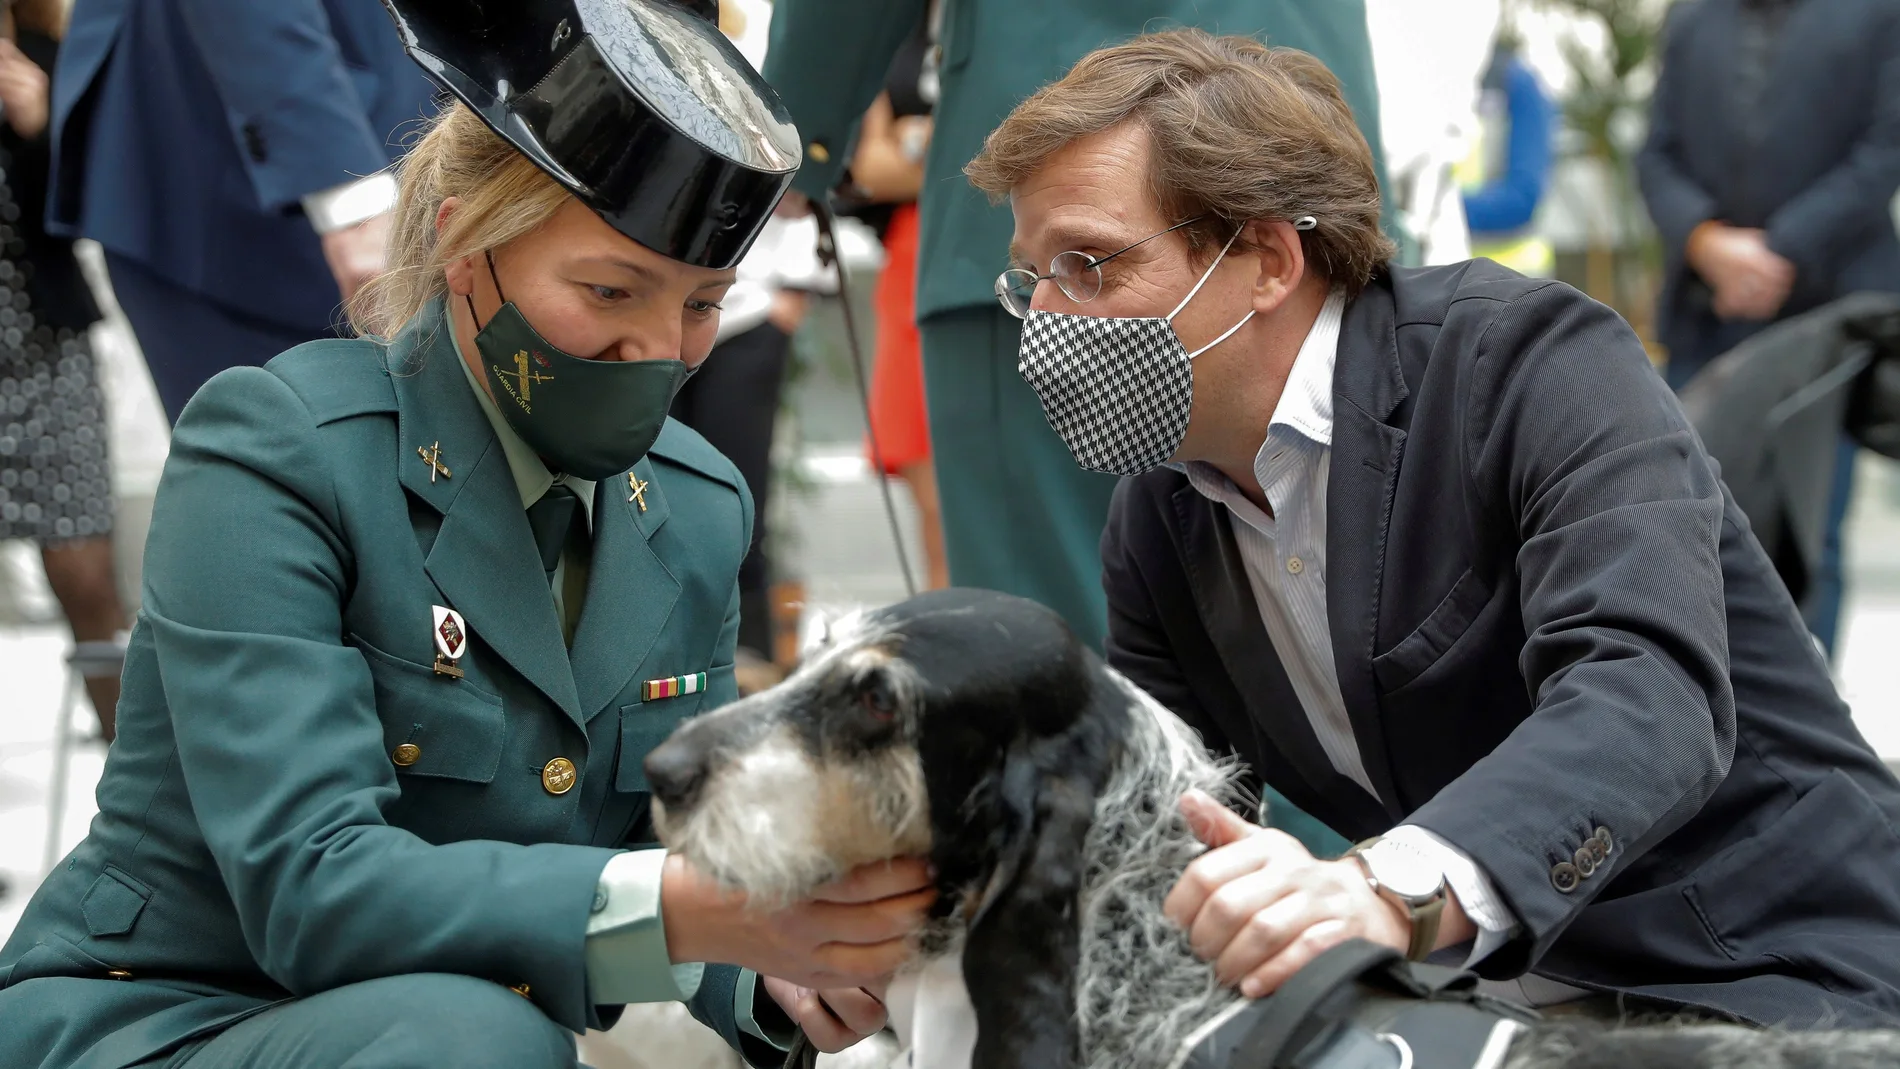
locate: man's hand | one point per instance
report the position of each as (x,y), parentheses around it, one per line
(23,91)
(833,1019)
(1750,280)
(853,932)
(1260,907)
(357,253)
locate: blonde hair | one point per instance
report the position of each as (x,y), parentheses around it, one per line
(503,196)
(1237,131)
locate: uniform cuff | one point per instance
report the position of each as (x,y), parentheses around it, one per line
(350,203)
(777,1029)
(627,959)
(1476,895)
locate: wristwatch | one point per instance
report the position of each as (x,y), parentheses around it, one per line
(1406,878)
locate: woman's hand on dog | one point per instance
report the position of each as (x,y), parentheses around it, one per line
(1260,907)
(853,932)
(834,1019)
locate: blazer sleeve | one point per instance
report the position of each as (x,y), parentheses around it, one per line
(280,747)
(827,60)
(1825,224)
(1137,645)
(1677,203)
(293,111)
(1582,459)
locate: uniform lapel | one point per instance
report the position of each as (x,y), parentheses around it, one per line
(1225,600)
(1367,387)
(483,558)
(630,593)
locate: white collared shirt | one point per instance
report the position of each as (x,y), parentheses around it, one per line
(1284,556)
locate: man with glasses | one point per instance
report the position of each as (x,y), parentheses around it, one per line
(1436,552)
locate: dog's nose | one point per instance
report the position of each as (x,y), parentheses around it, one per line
(675,771)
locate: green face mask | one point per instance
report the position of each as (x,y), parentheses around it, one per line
(590,418)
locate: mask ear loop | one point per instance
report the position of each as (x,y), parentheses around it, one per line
(469,298)
(1197,289)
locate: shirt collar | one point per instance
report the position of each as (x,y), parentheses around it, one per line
(532,477)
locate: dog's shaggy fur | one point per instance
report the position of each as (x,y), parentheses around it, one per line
(1044,787)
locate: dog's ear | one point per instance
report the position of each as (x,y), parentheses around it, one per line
(1024,944)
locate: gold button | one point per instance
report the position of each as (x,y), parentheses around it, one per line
(407,754)
(1295,565)
(521,989)
(818,152)
(118,974)
(558,776)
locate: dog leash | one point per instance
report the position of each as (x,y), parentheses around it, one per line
(802,1055)
(828,254)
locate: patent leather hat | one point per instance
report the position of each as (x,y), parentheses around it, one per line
(641,108)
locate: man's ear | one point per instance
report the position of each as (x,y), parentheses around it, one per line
(1282,259)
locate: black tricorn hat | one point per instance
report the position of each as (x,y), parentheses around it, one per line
(641,108)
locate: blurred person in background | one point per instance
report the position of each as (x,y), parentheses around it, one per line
(55,487)
(229,156)
(1505,176)
(1770,169)
(734,400)
(888,170)
(1018,514)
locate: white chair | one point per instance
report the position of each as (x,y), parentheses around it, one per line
(86,660)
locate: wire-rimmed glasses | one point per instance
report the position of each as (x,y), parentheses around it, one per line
(1077,274)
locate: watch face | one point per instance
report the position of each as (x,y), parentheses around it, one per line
(1403,872)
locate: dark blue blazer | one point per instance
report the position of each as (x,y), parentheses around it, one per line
(1551,625)
(186,132)
(1816,165)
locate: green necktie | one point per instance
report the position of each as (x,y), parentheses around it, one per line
(552,518)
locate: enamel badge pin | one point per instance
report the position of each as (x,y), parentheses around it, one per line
(451,641)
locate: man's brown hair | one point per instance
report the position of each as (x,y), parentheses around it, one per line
(1237,131)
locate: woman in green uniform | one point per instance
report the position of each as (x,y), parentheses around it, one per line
(418,604)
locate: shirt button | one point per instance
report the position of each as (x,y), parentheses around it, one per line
(600,899)
(1295,565)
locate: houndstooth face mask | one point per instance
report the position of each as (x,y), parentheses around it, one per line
(1117,389)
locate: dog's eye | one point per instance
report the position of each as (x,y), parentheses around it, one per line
(878,702)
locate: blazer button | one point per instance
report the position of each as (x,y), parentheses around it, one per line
(1564,877)
(818,152)
(1585,861)
(118,974)
(407,754)
(1596,850)
(1603,836)
(557,776)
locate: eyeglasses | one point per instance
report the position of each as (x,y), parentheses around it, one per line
(1077,274)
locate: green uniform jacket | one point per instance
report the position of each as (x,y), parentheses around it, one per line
(828,60)
(255,838)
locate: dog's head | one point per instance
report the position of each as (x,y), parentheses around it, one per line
(967,726)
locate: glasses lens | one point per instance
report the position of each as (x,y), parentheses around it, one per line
(1078,276)
(1015,288)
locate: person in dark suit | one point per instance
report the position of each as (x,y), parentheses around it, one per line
(1770,168)
(1435,551)
(229,157)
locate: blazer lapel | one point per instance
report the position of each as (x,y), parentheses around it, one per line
(630,593)
(1367,387)
(1226,603)
(483,559)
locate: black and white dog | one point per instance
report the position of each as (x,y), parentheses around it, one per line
(973,728)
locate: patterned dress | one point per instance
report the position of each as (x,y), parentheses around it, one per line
(54,481)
